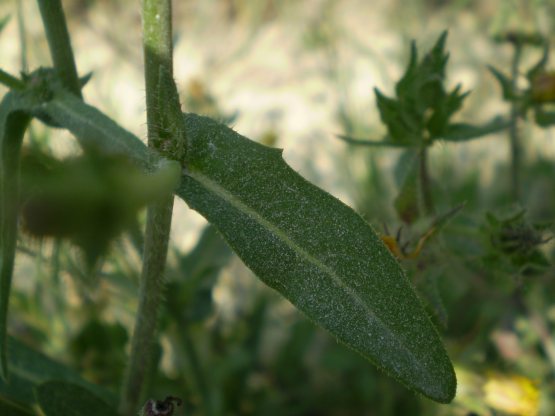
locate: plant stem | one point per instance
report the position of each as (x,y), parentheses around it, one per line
(425,185)
(157,44)
(516,145)
(57,35)
(10,81)
(22,37)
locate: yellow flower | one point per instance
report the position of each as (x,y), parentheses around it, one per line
(512,394)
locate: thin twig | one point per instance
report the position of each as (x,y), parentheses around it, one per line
(516,146)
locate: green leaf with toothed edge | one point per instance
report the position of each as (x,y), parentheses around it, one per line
(301,241)
(315,251)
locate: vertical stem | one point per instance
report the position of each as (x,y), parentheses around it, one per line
(22,37)
(425,185)
(516,145)
(57,35)
(157,44)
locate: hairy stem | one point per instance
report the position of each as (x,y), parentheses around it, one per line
(516,145)
(57,35)
(157,44)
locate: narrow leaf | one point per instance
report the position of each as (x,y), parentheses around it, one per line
(29,368)
(315,251)
(506,85)
(13,123)
(385,142)
(94,129)
(11,409)
(4,21)
(201,267)
(405,83)
(61,398)
(84,80)
(461,132)
(539,67)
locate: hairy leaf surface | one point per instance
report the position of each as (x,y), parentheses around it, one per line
(315,251)
(13,123)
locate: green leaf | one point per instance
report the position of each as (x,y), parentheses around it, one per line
(315,251)
(450,104)
(88,199)
(506,85)
(84,80)
(209,254)
(432,74)
(411,73)
(11,409)
(539,67)
(402,125)
(58,398)
(303,242)
(29,368)
(420,112)
(461,132)
(96,131)
(385,142)
(201,267)
(4,21)
(544,118)
(431,290)
(13,123)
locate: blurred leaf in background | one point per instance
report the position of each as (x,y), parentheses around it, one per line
(88,199)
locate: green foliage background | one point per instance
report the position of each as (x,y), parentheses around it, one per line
(238,348)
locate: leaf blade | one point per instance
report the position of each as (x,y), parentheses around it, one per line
(460,132)
(317,254)
(13,124)
(29,368)
(63,398)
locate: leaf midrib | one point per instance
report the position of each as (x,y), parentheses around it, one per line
(224,194)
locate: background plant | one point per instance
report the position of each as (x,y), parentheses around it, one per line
(276,392)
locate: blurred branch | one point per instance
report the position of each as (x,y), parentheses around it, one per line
(10,81)
(59,43)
